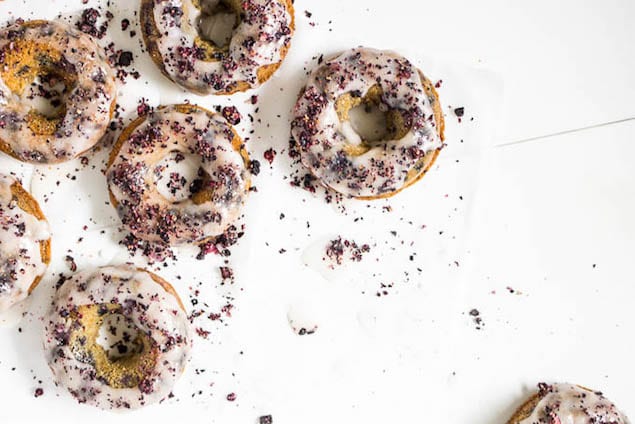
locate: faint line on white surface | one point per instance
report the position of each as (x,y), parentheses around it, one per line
(540,137)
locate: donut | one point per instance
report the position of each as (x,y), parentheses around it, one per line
(37,54)
(25,243)
(142,323)
(567,404)
(179,36)
(332,150)
(213,200)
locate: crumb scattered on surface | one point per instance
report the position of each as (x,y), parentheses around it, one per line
(340,249)
(477,319)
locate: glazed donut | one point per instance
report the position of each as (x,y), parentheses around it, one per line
(147,332)
(25,243)
(567,404)
(212,202)
(337,155)
(55,54)
(178,35)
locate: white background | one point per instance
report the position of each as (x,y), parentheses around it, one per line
(543,236)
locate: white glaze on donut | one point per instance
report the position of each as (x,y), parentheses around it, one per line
(20,236)
(147,305)
(263,32)
(570,404)
(322,137)
(87,104)
(132,181)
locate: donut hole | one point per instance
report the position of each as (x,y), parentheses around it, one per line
(45,95)
(217,22)
(177,176)
(367,121)
(119,337)
(121,354)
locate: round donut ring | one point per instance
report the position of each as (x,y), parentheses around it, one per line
(331,149)
(150,344)
(216,200)
(567,403)
(54,52)
(259,42)
(25,243)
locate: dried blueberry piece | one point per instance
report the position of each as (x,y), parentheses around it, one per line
(125,58)
(254,167)
(231,114)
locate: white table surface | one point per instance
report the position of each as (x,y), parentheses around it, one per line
(547,258)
